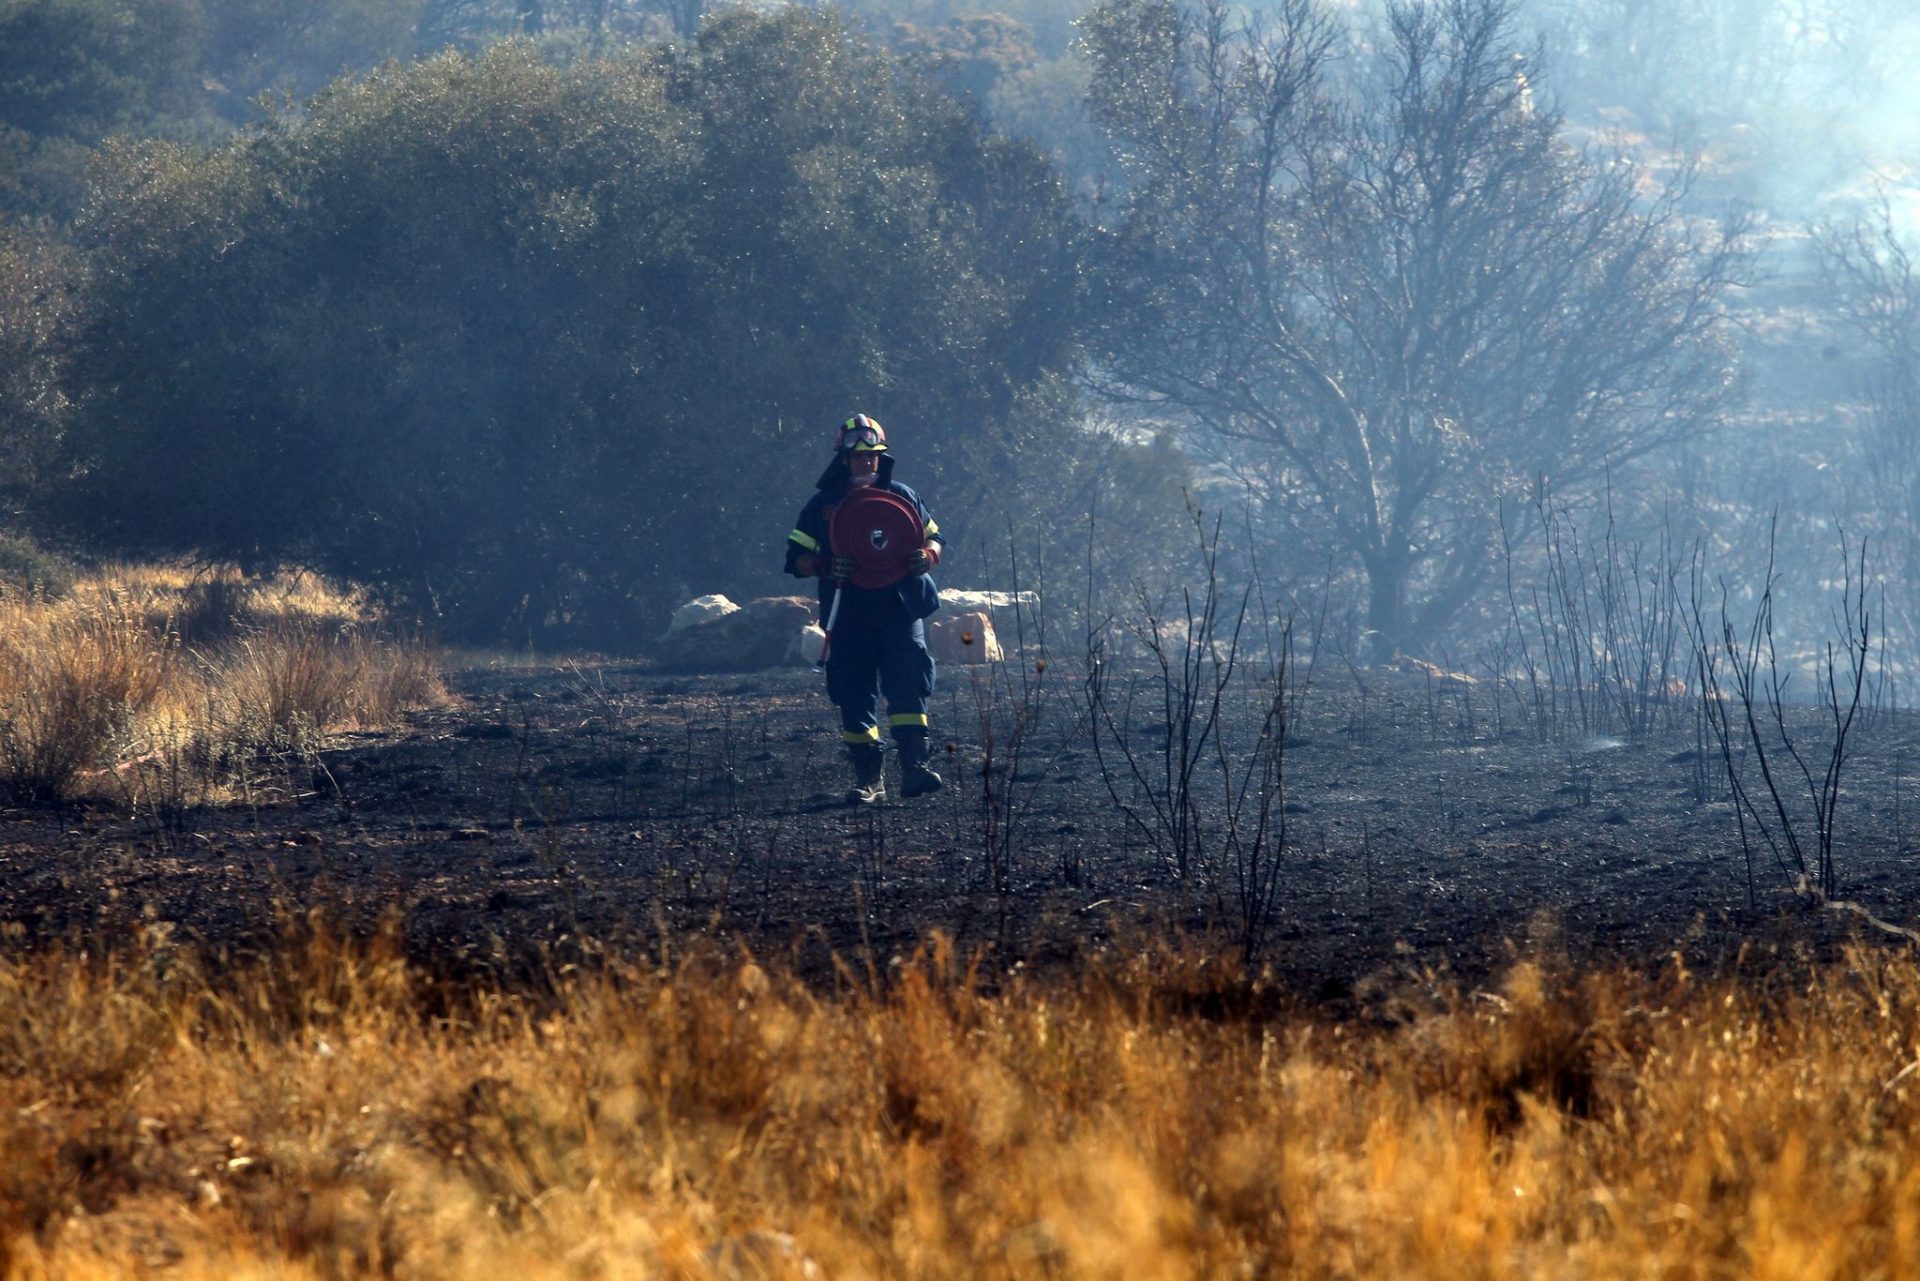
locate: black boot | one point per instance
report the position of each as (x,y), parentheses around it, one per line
(915,778)
(868,785)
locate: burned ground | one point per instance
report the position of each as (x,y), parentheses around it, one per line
(1429,832)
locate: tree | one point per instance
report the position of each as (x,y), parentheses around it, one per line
(520,342)
(973,55)
(684,15)
(1795,99)
(472,24)
(249,47)
(72,71)
(1872,292)
(38,286)
(77,69)
(1406,300)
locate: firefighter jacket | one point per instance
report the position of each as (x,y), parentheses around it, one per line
(917,594)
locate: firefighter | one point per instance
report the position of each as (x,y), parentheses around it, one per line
(878,639)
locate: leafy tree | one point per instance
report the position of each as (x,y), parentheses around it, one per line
(72,71)
(249,47)
(1048,25)
(78,69)
(523,342)
(471,24)
(972,54)
(38,287)
(1400,308)
(992,62)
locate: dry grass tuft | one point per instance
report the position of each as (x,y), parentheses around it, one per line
(326,1111)
(166,685)
(205,606)
(74,685)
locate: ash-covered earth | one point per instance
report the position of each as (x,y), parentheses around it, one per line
(1426,830)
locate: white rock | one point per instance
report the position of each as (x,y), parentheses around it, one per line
(759,634)
(961,600)
(699,610)
(807,645)
(964,638)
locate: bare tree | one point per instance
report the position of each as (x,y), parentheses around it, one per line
(1872,288)
(1409,297)
(1869,277)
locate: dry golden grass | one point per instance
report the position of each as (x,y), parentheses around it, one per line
(74,685)
(328,1112)
(148,679)
(207,604)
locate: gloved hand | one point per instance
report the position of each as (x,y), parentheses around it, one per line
(923,560)
(843,567)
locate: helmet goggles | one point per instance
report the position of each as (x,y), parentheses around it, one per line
(861,434)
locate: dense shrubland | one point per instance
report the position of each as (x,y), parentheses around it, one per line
(520,343)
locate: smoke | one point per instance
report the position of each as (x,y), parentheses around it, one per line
(1799,108)
(1847,125)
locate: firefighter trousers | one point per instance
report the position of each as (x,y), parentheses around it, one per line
(871,657)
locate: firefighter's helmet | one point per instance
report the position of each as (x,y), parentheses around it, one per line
(861,434)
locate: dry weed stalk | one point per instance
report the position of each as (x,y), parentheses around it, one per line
(1229,843)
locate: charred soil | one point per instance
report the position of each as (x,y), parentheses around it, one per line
(554,811)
